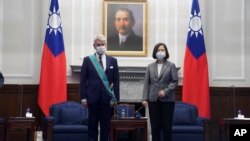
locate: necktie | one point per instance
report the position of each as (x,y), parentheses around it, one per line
(122,42)
(100,61)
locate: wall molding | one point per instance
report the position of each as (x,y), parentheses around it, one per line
(31,32)
(241,76)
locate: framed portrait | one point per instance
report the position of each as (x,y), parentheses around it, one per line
(125,27)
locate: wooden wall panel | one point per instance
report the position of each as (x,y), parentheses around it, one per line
(74,92)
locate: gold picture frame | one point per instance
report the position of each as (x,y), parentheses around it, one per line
(129,18)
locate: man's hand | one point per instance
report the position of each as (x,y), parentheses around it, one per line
(113,103)
(84,103)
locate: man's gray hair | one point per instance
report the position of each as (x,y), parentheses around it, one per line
(100,37)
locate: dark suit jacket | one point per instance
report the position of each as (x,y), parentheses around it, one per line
(91,85)
(133,43)
(167,81)
(1,79)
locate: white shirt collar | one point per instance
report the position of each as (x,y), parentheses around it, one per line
(97,56)
(123,38)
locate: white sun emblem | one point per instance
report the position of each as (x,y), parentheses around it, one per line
(195,24)
(54,21)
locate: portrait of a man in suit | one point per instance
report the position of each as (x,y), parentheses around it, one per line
(123,37)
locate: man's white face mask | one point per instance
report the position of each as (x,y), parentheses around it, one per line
(100,50)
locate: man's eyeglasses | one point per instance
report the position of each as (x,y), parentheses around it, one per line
(99,44)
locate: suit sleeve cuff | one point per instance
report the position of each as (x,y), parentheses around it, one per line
(83,100)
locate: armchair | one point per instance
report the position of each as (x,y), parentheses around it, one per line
(67,121)
(187,125)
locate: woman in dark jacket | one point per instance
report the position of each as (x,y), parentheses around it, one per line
(160,82)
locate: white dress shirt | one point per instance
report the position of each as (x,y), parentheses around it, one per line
(103,60)
(122,38)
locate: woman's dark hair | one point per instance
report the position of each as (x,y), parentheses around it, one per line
(156,48)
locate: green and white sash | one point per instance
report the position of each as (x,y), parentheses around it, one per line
(103,77)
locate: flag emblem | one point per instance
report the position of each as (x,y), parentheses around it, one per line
(195,24)
(54,21)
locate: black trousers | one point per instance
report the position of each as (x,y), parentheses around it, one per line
(161,119)
(99,113)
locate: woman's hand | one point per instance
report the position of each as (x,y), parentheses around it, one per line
(145,103)
(161,93)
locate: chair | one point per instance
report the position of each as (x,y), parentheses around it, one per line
(2,131)
(187,125)
(67,121)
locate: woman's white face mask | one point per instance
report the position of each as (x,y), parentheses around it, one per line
(160,55)
(100,50)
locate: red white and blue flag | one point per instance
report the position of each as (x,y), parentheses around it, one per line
(53,88)
(196,81)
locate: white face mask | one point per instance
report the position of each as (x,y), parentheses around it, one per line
(100,50)
(160,55)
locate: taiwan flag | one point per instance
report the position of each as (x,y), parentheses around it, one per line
(53,88)
(196,82)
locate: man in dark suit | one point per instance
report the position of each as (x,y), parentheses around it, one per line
(126,39)
(99,86)
(1,79)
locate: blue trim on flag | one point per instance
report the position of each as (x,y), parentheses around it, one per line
(54,42)
(196,45)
